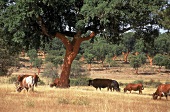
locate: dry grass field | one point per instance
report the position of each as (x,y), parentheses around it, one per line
(85,98)
(78,99)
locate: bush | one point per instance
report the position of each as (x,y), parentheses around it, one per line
(41,82)
(79,81)
(12,79)
(153,83)
(138,81)
(37,62)
(77,70)
(50,71)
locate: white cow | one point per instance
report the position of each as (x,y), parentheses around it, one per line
(27,82)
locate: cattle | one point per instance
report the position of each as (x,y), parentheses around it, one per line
(101,83)
(21,77)
(162,90)
(26,83)
(115,85)
(134,87)
(57,83)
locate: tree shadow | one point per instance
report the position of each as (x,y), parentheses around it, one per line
(147,73)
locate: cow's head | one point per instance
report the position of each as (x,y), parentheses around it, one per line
(51,85)
(125,90)
(155,96)
(118,89)
(90,82)
(19,89)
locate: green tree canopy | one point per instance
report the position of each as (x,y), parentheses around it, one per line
(31,23)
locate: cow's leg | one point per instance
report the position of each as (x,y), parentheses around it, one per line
(26,88)
(140,91)
(160,95)
(166,97)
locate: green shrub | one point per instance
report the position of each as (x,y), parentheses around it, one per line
(138,81)
(41,82)
(153,83)
(12,79)
(50,71)
(79,81)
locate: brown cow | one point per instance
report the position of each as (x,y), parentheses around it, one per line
(162,90)
(21,77)
(57,83)
(26,83)
(134,87)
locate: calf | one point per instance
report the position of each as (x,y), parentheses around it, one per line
(101,83)
(162,90)
(134,87)
(26,83)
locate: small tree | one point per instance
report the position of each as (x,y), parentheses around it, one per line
(160,60)
(137,61)
(32,54)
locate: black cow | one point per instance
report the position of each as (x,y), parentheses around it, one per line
(115,85)
(101,83)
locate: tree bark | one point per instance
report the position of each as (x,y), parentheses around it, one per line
(125,56)
(72,48)
(150,59)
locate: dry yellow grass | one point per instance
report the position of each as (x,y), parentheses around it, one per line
(78,99)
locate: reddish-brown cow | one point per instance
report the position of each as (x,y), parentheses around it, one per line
(162,90)
(134,87)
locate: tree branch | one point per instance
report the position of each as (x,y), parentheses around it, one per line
(93,34)
(63,38)
(43,28)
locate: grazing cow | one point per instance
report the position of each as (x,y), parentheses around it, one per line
(134,87)
(27,82)
(162,90)
(101,83)
(115,85)
(57,83)
(21,77)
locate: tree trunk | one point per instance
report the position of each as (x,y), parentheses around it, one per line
(114,57)
(125,56)
(136,71)
(150,59)
(72,48)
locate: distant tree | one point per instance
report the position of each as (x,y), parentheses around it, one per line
(89,57)
(162,43)
(101,49)
(160,60)
(32,54)
(50,71)
(137,61)
(77,70)
(139,46)
(117,50)
(128,41)
(164,20)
